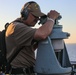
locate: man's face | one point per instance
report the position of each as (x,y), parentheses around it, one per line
(32,20)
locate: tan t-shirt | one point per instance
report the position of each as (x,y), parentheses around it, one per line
(17,35)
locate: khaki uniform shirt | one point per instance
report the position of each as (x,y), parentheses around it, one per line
(17,35)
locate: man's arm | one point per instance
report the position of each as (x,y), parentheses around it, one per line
(45,30)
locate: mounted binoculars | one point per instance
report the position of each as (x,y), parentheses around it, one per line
(52,57)
(43,19)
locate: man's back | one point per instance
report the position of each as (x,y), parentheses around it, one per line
(16,37)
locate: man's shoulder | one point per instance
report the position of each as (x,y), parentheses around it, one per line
(19,24)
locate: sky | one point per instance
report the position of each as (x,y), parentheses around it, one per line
(10,10)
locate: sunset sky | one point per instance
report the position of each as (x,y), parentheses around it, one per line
(10,10)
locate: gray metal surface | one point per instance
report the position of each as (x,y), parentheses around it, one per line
(46,61)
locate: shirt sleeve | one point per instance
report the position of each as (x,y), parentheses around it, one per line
(23,34)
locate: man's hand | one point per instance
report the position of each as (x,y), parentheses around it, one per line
(53,14)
